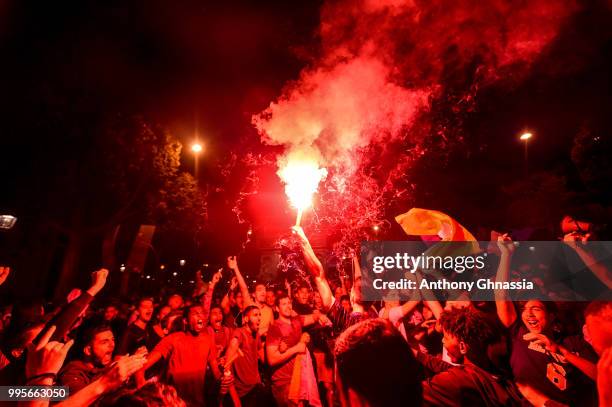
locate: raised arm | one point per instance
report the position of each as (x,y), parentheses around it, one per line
(505,307)
(65,318)
(429,298)
(435,307)
(356,288)
(208,295)
(43,362)
(598,268)
(232,264)
(225,301)
(316,268)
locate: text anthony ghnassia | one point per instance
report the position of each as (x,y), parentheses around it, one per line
(444,284)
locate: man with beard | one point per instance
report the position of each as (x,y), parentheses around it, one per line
(97,353)
(186,355)
(246,341)
(140,332)
(258,299)
(284,343)
(270,298)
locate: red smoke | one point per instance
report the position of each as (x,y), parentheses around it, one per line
(382,63)
(330,112)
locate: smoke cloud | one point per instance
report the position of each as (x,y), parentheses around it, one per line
(382,64)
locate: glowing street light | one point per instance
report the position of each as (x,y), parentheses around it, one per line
(525,137)
(196,149)
(7,221)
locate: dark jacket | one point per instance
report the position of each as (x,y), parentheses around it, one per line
(78,374)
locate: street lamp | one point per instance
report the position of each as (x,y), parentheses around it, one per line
(196,149)
(7,221)
(525,138)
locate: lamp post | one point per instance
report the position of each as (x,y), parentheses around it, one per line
(525,139)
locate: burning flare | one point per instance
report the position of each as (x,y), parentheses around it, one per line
(301,177)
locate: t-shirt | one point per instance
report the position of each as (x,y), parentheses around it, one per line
(469,385)
(338,317)
(267,317)
(118,326)
(549,373)
(221,338)
(246,370)
(230,319)
(290,333)
(187,357)
(135,337)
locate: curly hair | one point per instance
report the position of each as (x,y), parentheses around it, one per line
(470,326)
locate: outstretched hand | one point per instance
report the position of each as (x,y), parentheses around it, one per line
(122,370)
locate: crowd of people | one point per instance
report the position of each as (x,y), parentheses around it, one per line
(320,344)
